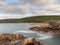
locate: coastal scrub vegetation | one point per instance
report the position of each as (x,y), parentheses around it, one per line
(35,19)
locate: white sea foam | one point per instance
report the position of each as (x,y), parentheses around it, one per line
(25,32)
(44,36)
(41,36)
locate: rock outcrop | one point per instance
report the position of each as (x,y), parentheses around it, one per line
(17,39)
(52,27)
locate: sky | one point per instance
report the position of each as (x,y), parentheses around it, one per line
(26,8)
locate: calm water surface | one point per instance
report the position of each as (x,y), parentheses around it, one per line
(23,28)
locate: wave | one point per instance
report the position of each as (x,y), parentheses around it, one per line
(25,32)
(40,36)
(44,36)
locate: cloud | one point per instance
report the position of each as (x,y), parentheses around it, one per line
(31,7)
(47,2)
(39,1)
(18,9)
(55,8)
(2,3)
(10,16)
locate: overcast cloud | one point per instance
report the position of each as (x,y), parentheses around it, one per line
(25,8)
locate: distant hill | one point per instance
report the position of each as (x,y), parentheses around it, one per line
(36,19)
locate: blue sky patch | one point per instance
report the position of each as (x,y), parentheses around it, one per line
(11,2)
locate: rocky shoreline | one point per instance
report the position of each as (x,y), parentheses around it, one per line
(52,27)
(17,39)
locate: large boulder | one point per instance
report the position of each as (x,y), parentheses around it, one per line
(31,41)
